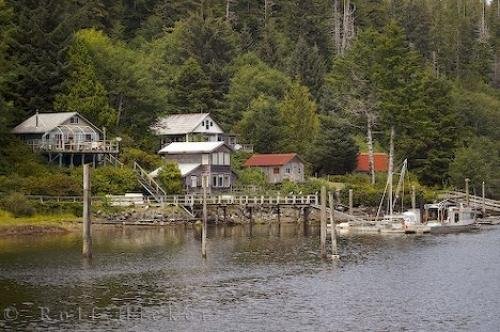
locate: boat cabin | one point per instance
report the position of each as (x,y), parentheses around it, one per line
(448,212)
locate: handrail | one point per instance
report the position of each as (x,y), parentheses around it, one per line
(150,181)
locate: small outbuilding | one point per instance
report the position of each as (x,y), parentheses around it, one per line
(278,167)
(381,162)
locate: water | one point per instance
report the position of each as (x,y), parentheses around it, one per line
(264,278)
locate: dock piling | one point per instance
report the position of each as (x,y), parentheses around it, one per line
(467,198)
(204,182)
(413,198)
(350,201)
(335,254)
(483,201)
(87,222)
(323,223)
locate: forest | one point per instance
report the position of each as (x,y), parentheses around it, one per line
(323,78)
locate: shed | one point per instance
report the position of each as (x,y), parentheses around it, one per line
(278,167)
(381,162)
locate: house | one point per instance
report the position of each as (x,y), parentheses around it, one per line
(201,158)
(196,127)
(381,162)
(278,167)
(66,137)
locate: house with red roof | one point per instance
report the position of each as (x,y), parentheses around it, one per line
(381,162)
(278,167)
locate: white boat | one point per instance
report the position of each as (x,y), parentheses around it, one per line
(448,216)
(413,223)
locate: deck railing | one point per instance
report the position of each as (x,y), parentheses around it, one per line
(191,199)
(74,146)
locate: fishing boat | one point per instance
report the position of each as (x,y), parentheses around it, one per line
(448,216)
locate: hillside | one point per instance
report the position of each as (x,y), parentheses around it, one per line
(309,76)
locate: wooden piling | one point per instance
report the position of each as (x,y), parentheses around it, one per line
(87,222)
(333,233)
(323,223)
(350,201)
(467,199)
(413,198)
(483,202)
(204,182)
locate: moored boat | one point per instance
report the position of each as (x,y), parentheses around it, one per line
(448,216)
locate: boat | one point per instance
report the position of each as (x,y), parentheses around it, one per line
(448,216)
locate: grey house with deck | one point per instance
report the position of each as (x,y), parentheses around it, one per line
(195,159)
(66,137)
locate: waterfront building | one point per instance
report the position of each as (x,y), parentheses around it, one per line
(195,159)
(66,138)
(278,167)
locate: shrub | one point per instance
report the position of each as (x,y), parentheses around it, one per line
(252,177)
(170,178)
(18,205)
(147,160)
(113,180)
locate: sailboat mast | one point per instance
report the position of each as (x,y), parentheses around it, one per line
(390,171)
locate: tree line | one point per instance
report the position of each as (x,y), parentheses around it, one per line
(323,78)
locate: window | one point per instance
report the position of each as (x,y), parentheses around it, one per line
(288,170)
(456,218)
(214,181)
(206,125)
(276,170)
(227,159)
(88,137)
(227,181)
(211,124)
(221,158)
(221,181)
(214,159)
(202,123)
(205,159)
(74,119)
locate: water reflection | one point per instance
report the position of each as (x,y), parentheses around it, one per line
(267,277)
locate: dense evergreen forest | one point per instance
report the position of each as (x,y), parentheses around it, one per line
(318,77)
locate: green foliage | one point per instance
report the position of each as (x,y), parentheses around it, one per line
(252,177)
(147,160)
(334,151)
(17,204)
(479,161)
(84,93)
(252,79)
(113,180)
(192,92)
(170,178)
(261,125)
(299,119)
(308,66)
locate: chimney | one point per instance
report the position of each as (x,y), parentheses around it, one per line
(36,118)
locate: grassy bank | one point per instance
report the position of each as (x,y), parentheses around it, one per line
(39,223)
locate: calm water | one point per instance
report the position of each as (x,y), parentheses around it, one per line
(264,278)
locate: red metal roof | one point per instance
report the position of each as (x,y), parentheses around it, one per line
(381,161)
(269,159)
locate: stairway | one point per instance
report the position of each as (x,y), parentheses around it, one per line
(475,201)
(151,186)
(146,181)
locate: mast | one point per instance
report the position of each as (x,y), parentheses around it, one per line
(389,175)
